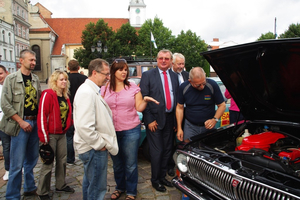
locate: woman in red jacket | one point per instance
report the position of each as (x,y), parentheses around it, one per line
(53,120)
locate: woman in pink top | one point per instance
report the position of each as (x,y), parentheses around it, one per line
(125,99)
(234,110)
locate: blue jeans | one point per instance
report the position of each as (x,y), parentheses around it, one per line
(95,174)
(24,152)
(6,149)
(70,147)
(125,162)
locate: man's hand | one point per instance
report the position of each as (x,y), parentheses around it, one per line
(180,135)
(25,126)
(153,126)
(210,123)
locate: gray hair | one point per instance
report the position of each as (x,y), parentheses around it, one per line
(97,65)
(165,51)
(178,55)
(197,72)
(25,51)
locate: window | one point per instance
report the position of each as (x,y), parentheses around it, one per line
(19,30)
(10,55)
(9,38)
(23,32)
(23,13)
(18,10)
(37,51)
(4,54)
(3,36)
(18,50)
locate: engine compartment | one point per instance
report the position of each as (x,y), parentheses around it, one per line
(272,147)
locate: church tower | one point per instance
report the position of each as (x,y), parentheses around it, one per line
(137,13)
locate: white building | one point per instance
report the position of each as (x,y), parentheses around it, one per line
(7,46)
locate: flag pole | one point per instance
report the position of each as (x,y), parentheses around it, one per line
(150,48)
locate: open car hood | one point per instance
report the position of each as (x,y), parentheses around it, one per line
(262,77)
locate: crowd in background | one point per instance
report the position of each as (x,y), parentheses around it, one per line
(98,115)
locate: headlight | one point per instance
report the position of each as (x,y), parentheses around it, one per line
(182,163)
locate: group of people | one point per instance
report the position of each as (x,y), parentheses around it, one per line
(99,116)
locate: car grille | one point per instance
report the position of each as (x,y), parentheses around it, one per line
(230,185)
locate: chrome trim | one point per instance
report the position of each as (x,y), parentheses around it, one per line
(226,182)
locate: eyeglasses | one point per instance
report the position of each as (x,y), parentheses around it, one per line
(120,60)
(162,58)
(199,85)
(108,74)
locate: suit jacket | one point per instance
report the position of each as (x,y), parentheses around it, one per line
(185,75)
(93,123)
(151,85)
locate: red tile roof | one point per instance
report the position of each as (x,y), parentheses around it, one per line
(69,30)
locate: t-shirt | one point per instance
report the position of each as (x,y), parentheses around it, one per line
(200,104)
(64,108)
(76,80)
(30,102)
(122,105)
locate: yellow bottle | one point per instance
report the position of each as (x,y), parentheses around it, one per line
(239,140)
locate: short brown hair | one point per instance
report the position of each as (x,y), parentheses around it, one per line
(73,65)
(97,65)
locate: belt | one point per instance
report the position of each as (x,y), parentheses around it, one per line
(31,117)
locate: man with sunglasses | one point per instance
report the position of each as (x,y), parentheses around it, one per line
(200,95)
(160,83)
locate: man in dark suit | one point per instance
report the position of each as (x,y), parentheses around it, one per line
(178,64)
(162,84)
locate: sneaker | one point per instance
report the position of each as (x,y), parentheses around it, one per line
(44,197)
(67,189)
(5,177)
(70,163)
(31,193)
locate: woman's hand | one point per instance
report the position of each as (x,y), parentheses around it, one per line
(149,99)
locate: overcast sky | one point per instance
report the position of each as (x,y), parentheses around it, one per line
(239,21)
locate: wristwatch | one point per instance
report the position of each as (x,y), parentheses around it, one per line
(216,119)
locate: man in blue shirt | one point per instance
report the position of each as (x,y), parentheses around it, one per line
(200,95)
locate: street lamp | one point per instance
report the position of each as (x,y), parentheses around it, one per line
(99,48)
(209,48)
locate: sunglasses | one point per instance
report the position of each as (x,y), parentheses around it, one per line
(120,61)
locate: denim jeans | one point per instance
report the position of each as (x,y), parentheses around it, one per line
(125,162)
(24,152)
(6,149)
(70,147)
(95,174)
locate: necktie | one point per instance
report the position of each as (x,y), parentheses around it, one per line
(167,91)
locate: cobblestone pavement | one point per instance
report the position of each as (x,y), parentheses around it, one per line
(75,176)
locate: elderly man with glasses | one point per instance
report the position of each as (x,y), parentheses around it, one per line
(200,95)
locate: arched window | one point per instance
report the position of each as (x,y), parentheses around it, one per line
(9,38)
(3,36)
(37,51)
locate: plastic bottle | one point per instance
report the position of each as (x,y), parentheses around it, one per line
(240,139)
(185,197)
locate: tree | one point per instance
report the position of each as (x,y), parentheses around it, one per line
(124,41)
(162,36)
(266,36)
(293,31)
(90,36)
(190,45)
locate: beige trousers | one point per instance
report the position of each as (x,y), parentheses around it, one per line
(59,146)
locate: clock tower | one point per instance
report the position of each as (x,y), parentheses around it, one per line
(137,13)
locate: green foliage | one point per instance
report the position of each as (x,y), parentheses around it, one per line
(90,36)
(292,32)
(190,45)
(124,41)
(266,36)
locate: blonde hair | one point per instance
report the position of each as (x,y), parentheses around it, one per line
(53,83)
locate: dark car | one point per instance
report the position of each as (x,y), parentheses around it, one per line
(263,79)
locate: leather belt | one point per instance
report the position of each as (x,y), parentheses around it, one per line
(31,117)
